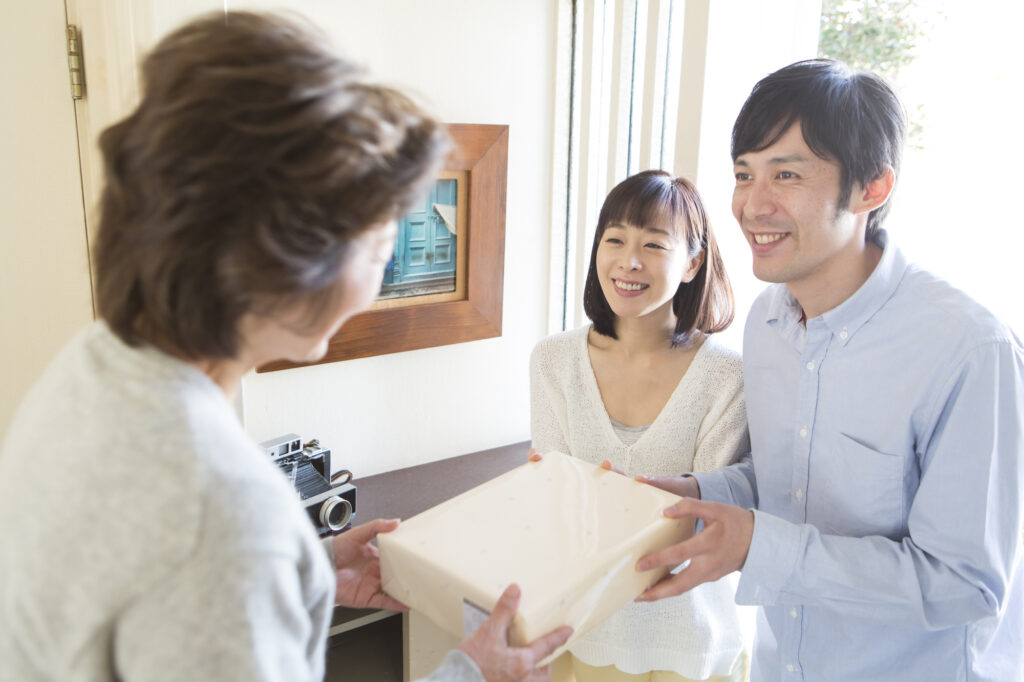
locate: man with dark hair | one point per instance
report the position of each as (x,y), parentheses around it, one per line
(878,518)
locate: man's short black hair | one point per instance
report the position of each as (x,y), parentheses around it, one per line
(852,118)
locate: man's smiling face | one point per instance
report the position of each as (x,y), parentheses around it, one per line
(785,199)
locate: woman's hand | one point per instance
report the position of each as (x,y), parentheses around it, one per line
(534,456)
(357,567)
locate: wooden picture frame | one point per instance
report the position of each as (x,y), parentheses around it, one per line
(482,151)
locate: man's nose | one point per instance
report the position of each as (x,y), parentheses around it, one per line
(758,200)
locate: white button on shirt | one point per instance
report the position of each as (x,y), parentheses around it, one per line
(924,380)
(803,432)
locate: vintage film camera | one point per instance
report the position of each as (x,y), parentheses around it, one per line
(329,500)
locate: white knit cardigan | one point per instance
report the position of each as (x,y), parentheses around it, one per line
(702,427)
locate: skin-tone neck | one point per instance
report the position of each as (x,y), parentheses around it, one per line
(260,342)
(649,334)
(840,277)
(227,374)
(839,281)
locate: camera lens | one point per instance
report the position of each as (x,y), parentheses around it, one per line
(335,512)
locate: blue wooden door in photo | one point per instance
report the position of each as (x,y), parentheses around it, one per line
(425,248)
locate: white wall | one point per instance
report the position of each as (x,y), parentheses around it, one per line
(956,209)
(747,40)
(469,62)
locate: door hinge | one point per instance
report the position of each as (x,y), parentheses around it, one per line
(76,65)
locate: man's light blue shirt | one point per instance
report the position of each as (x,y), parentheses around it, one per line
(886,476)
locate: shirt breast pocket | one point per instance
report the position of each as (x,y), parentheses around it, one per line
(861,492)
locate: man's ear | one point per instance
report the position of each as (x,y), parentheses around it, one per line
(875,193)
(695,264)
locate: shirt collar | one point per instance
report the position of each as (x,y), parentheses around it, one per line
(848,317)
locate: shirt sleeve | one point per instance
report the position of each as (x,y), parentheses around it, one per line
(956,563)
(547,430)
(456,667)
(734,484)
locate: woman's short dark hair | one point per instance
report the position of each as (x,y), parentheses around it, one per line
(852,118)
(253,159)
(654,197)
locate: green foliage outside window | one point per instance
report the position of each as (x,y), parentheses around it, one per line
(875,35)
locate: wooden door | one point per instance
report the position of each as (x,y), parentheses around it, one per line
(45,292)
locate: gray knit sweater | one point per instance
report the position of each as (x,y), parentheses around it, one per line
(145,537)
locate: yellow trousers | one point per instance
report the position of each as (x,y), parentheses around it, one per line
(588,673)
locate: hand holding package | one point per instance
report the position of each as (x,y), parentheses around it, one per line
(567,532)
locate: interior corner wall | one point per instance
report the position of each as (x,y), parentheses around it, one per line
(469,62)
(746,40)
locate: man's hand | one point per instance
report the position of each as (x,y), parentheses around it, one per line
(357,567)
(684,486)
(719,549)
(499,662)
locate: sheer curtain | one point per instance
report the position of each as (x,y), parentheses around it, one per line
(645,84)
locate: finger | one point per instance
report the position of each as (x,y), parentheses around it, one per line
(672,585)
(538,675)
(608,466)
(669,483)
(506,607)
(369,530)
(701,509)
(383,601)
(544,646)
(674,555)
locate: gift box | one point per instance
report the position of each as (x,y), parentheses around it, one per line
(567,532)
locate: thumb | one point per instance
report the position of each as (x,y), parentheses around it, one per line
(689,506)
(505,609)
(368,531)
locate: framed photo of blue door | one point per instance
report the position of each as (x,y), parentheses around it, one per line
(418,318)
(429,248)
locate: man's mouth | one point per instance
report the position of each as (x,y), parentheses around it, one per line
(768,237)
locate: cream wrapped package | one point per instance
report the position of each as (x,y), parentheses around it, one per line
(567,532)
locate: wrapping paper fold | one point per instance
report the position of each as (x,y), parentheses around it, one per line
(567,532)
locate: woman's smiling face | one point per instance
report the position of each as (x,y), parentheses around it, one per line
(640,268)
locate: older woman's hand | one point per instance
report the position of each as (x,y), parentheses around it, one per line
(357,567)
(499,662)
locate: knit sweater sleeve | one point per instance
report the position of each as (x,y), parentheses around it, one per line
(251,602)
(456,667)
(723,437)
(548,420)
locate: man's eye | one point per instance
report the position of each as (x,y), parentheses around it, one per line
(654,245)
(787,175)
(742,177)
